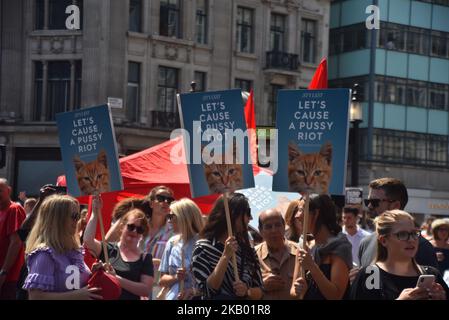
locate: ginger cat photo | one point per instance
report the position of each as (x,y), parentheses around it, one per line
(224,177)
(311,172)
(94,175)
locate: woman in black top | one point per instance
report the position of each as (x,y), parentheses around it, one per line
(328,260)
(133,269)
(212,254)
(395,273)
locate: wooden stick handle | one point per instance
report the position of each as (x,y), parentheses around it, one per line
(305,226)
(228,221)
(103,237)
(181,283)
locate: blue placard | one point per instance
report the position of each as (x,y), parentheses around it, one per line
(313,127)
(221,111)
(89,151)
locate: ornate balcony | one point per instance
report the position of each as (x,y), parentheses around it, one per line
(282,60)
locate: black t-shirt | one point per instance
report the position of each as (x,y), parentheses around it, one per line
(128,270)
(390,286)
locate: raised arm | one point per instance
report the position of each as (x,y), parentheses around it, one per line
(89,234)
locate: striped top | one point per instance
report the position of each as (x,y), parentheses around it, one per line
(206,254)
(156,245)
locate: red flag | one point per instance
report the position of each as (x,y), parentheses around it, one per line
(250,117)
(319,80)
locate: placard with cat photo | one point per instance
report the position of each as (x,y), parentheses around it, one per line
(313,127)
(89,151)
(216,164)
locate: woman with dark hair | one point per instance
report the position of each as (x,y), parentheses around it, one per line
(212,255)
(328,261)
(395,273)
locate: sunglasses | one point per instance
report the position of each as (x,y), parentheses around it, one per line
(376,202)
(442,229)
(131,227)
(405,236)
(76,216)
(162,198)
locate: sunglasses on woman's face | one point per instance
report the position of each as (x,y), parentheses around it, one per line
(131,227)
(162,198)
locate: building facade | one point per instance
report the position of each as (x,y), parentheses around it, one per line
(404,77)
(136,55)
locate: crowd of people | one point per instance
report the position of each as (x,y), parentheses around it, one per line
(158,247)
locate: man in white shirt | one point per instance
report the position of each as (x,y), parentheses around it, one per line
(353,232)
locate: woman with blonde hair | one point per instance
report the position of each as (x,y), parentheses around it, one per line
(395,271)
(133,269)
(176,261)
(54,254)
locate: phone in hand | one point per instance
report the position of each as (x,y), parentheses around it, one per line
(425,281)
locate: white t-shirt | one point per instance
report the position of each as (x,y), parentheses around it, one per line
(355,241)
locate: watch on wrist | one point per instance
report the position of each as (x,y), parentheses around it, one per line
(3,272)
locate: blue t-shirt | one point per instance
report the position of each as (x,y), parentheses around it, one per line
(171,261)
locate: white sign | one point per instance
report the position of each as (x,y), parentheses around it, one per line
(115,103)
(354,195)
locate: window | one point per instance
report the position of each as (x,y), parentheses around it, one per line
(308,40)
(417,41)
(245,85)
(58,96)
(167,88)
(415,148)
(166,115)
(170,18)
(409,147)
(395,91)
(133,92)
(438,150)
(277,33)
(440,44)
(56,14)
(438,96)
(200,79)
(416,93)
(245,25)
(272,102)
(201,21)
(135,15)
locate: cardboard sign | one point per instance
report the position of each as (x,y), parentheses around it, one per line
(89,151)
(216,152)
(313,127)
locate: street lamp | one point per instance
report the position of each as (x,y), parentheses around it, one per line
(356,119)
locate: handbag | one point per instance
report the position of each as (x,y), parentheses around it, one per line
(110,285)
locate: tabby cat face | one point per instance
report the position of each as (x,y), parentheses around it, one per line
(309,172)
(224,177)
(92,176)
